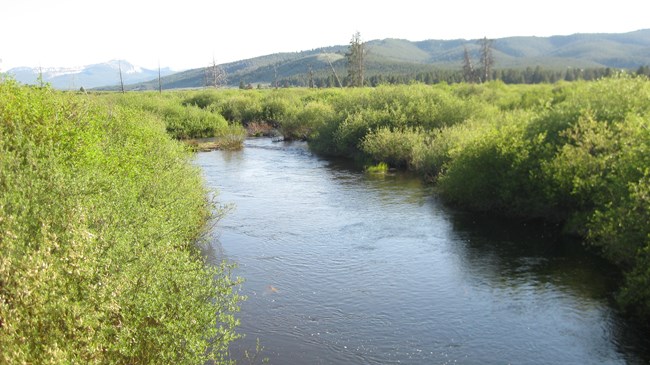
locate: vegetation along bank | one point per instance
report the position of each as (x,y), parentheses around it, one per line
(100,215)
(574,153)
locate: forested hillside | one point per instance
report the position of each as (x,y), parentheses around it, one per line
(578,56)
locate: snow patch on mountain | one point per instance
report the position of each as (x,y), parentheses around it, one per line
(89,76)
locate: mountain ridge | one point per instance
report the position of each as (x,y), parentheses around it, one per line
(88,76)
(390,56)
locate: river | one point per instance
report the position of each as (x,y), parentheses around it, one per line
(346,267)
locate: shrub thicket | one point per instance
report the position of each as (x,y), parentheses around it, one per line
(184,118)
(99,213)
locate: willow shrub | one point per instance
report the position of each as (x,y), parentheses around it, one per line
(183,122)
(492,166)
(508,97)
(242,107)
(393,146)
(304,122)
(183,119)
(362,111)
(202,99)
(99,214)
(279,106)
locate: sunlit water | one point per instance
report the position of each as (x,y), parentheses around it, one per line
(344,267)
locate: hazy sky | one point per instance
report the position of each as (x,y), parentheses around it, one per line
(186,34)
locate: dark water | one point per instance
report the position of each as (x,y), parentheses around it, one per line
(344,267)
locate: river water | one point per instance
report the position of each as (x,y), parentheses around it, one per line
(345,267)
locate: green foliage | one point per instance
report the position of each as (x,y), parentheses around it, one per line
(493,167)
(361,111)
(184,117)
(242,107)
(601,174)
(202,99)
(380,168)
(582,159)
(192,122)
(306,120)
(279,105)
(394,147)
(99,213)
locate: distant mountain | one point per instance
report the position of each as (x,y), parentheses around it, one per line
(399,56)
(89,76)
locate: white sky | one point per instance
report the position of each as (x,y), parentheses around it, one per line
(186,34)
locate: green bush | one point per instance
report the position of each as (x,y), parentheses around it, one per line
(100,211)
(493,170)
(601,174)
(394,147)
(242,107)
(183,119)
(350,132)
(581,157)
(183,122)
(203,99)
(278,106)
(304,122)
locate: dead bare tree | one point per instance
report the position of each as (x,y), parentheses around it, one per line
(469,74)
(215,75)
(311,77)
(40,76)
(119,66)
(338,81)
(487,59)
(275,75)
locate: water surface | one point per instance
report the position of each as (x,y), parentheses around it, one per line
(344,267)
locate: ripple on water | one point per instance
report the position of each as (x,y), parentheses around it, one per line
(346,268)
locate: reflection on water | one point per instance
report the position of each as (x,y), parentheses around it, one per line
(344,267)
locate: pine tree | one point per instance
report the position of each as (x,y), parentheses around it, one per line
(356,58)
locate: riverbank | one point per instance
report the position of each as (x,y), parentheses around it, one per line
(100,214)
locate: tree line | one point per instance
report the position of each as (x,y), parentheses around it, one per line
(528,75)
